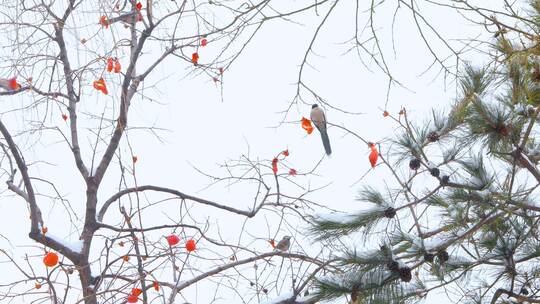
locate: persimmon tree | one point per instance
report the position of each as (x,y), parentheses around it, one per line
(63,56)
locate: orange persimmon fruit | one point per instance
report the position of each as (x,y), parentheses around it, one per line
(274,165)
(103,21)
(117,66)
(110,65)
(306,125)
(50,259)
(132,299)
(173,240)
(13,84)
(190,245)
(373,156)
(195,58)
(101,86)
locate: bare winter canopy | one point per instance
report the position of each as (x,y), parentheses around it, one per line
(77,67)
(71,72)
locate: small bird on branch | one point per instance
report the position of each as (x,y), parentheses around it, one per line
(284,244)
(127,18)
(319,120)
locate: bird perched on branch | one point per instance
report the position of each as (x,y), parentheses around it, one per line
(319,120)
(127,18)
(284,244)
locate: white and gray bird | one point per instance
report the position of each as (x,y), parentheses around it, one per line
(284,244)
(319,120)
(126,18)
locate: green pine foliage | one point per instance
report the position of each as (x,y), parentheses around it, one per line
(337,226)
(463,212)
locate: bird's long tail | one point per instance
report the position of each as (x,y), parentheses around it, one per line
(326,142)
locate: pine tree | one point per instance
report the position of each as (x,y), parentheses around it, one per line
(463,210)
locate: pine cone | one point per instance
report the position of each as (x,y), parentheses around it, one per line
(393,266)
(433,136)
(405,274)
(414,164)
(531,110)
(511,270)
(354,293)
(445,179)
(443,256)
(502,129)
(428,257)
(390,212)
(535,75)
(434,171)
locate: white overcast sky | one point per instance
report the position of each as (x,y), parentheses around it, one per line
(203,130)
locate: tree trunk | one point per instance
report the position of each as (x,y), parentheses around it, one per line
(87,283)
(90,226)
